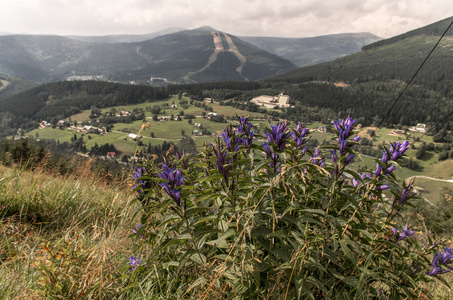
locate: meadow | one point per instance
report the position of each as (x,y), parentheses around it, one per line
(72,237)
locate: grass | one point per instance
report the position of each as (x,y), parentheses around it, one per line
(62,237)
(69,238)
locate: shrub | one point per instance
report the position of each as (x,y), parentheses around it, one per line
(279,220)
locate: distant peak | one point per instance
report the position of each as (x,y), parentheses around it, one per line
(205,28)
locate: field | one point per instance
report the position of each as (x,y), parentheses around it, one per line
(172,131)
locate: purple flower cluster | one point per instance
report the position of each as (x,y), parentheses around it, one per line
(134,262)
(244,129)
(441,259)
(344,128)
(174,178)
(139,173)
(317,159)
(222,161)
(401,235)
(184,157)
(300,136)
(273,157)
(231,139)
(404,194)
(395,151)
(278,135)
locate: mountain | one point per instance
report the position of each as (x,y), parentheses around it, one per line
(198,55)
(313,50)
(124,38)
(10,85)
(367,83)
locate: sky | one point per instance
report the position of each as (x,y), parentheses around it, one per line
(288,18)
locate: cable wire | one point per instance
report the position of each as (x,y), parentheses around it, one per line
(415,74)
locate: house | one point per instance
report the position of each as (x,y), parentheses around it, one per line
(197,125)
(163,118)
(176,118)
(125,113)
(133,136)
(208,100)
(420,127)
(111,154)
(60,123)
(212,114)
(272,101)
(174,106)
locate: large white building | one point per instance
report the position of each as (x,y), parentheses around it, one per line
(271,101)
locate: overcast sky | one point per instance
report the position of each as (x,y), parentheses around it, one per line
(287,18)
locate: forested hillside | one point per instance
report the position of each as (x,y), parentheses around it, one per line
(63,99)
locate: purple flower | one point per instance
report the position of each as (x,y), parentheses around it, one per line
(403,234)
(184,157)
(245,131)
(300,135)
(389,170)
(404,194)
(365,175)
(317,159)
(349,159)
(138,229)
(333,155)
(355,182)
(174,178)
(397,149)
(278,135)
(441,259)
(134,262)
(378,170)
(139,172)
(382,187)
(223,164)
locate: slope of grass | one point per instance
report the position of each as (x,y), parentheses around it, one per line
(61,237)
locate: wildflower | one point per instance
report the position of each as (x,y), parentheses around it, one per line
(245,130)
(139,173)
(175,178)
(317,159)
(397,149)
(382,187)
(344,128)
(300,135)
(271,156)
(403,234)
(223,164)
(404,194)
(138,229)
(441,259)
(184,157)
(278,134)
(134,262)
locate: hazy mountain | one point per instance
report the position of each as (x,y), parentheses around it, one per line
(394,59)
(124,38)
(185,56)
(313,50)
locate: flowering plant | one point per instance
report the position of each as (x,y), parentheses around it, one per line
(255,216)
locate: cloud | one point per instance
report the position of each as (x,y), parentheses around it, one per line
(291,18)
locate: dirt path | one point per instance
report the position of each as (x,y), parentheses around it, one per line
(218,48)
(3,84)
(242,58)
(432,178)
